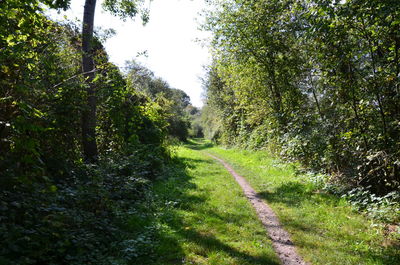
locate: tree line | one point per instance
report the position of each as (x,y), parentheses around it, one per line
(80,140)
(316,81)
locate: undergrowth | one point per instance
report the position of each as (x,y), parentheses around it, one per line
(84,217)
(384,209)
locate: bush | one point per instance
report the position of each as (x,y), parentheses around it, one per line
(81,218)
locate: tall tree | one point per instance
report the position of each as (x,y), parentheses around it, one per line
(123,9)
(89,114)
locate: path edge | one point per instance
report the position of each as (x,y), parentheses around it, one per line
(281,241)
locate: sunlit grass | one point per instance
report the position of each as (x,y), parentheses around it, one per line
(205,219)
(324,227)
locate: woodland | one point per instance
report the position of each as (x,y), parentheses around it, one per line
(102,165)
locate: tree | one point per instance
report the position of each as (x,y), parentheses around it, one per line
(44,186)
(89,114)
(314,80)
(124,9)
(172,101)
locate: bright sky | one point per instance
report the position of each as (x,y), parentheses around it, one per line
(169,39)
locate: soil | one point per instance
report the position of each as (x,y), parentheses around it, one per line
(280,238)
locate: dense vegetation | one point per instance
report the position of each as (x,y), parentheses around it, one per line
(55,208)
(90,171)
(316,81)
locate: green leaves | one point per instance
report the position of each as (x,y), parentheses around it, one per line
(127,8)
(54,209)
(313,80)
(167,109)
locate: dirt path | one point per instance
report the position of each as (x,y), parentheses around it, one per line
(280,238)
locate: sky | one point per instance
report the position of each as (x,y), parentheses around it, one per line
(169,39)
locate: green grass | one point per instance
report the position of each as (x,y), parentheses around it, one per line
(324,228)
(203,217)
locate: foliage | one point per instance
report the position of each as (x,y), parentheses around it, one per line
(315,81)
(196,128)
(172,102)
(122,8)
(77,220)
(53,208)
(127,8)
(385,208)
(38,109)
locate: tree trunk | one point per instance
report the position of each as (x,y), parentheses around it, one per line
(316,98)
(89,112)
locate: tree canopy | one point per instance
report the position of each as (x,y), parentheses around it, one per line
(317,81)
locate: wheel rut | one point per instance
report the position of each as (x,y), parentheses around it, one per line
(280,238)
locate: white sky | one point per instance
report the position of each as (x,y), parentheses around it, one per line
(169,39)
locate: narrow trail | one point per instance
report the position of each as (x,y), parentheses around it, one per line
(281,241)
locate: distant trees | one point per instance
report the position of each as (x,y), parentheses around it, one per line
(196,128)
(173,102)
(315,80)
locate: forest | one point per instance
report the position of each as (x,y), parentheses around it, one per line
(108,165)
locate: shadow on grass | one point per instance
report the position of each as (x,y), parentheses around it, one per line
(211,244)
(295,194)
(191,162)
(198,144)
(176,232)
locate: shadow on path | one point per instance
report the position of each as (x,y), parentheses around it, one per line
(176,194)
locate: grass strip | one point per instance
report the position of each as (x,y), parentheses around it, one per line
(323,227)
(204,217)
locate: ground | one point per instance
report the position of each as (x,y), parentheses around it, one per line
(205,217)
